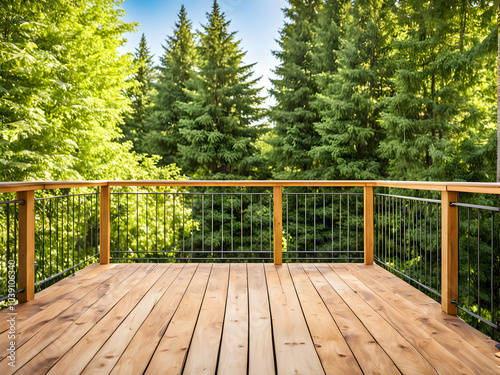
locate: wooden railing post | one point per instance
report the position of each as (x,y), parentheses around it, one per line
(26,276)
(368,224)
(449,252)
(105,228)
(278,225)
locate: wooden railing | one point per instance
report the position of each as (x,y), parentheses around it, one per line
(449,221)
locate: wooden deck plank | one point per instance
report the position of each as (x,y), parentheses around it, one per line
(243,318)
(56,327)
(42,311)
(58,295)
(44,360)
(260,343)
(334,353)
(403,354)
(204,348)
(82,352)
(295,353)
(234,346)
(460,348)
(370,356)
(136,356)
(170,355)
(83,274)
(107,356)
(442,360)
(477,339)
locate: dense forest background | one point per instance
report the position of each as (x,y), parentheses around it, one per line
(364,90)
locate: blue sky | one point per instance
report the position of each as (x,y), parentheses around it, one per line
(257,23)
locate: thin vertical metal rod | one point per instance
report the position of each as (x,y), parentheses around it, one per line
(340,222)
(146,196)
(468,258)
(251,222)
(478,262)
(165,223)
(156,228)
(232,246)
(348,230)
(128,230)
(241,222)
(314,222)
(183,225)
(73,222)
(212,240)
(203,222)
(118,220)
(222,225)
(261,229)
(332,226)
(137,218)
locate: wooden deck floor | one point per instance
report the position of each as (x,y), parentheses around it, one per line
(238,319)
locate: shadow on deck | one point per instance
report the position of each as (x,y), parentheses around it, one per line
(240,318)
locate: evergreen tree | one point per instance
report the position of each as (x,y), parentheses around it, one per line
(177,62)
(330,28)
(441,101)
(294,90)
(218,129)
(134,122)
(350,102)
(61,92)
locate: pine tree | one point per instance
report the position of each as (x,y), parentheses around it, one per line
(440,103)
(134,122)
(294,90)
(177,62)
(218,130)
(349,103)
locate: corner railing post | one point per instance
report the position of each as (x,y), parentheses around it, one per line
(368,224)
(449,252)
(26,275)
(278,225)
(105,228)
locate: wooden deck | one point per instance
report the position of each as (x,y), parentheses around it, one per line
(238,319)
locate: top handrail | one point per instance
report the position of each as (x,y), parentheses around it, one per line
(464,187)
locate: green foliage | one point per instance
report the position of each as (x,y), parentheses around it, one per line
(350,101)
(162,126)
(294,90)
(218,128)
(444,95)
(61,92)
(139,94)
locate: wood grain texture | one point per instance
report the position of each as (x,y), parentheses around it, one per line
(136,357)
(170,355)
(204,348)
(368,224)
(420,301)
(105,225)
(234,346)
(54,328)
(433,352)
(243,318)
(405,356)
(105,359)
(333,351)
(294,350)
(448,339)
(449,252)
(370,356)
(278,224)
(260,346)
(26,247)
